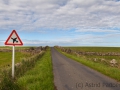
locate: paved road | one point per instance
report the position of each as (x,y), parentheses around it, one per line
(71,75)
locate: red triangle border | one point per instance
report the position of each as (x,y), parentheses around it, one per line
(6,43)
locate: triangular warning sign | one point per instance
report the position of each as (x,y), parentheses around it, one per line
(13,39)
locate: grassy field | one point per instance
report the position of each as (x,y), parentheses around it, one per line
(96,49)
(16,47)
(99,50)
(88,60)
(6,57)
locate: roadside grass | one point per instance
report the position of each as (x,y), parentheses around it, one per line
(104,69)
(40,77)
(6,57)
(7,82)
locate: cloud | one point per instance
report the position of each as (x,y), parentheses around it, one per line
(78,40)
(62,14)
(92,16)
(97,30)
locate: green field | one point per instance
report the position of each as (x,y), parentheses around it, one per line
(6,57)
(96,49)
(101,50)
(17,47)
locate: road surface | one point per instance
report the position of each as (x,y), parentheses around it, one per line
(71,75)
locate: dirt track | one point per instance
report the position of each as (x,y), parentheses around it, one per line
(71,75)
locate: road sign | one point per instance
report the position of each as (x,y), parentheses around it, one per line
(13,39)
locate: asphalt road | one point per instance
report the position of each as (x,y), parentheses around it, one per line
(71,75)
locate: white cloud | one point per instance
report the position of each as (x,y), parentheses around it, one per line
(59,13)
(38,15)
(97,30)
(78,40)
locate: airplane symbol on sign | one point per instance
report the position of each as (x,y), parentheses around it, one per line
(14,40)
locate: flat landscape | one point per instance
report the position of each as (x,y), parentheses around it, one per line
(6,55)
(60,68)
(60,44)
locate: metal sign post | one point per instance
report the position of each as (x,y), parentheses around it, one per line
(13,62)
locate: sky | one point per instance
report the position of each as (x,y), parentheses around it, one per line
(61,22)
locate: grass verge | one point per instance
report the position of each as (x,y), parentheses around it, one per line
(40,77)
(107,70)
(6,81)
